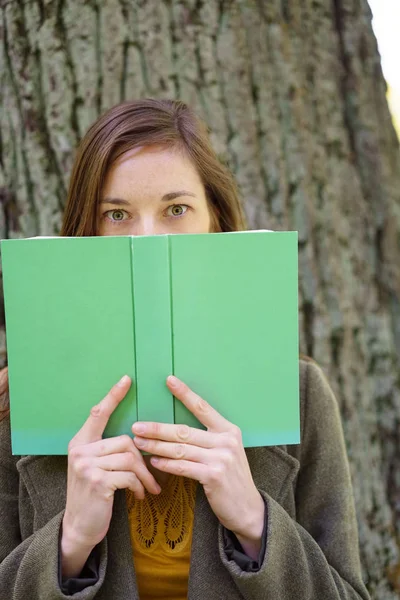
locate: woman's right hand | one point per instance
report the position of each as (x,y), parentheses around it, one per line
(96,468)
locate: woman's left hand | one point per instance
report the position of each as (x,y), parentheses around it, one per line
(216,458)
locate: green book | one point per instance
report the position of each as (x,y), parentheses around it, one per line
(218,310)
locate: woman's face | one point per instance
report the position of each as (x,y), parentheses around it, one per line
(153,190)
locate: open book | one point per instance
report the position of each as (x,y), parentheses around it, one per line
(218,310)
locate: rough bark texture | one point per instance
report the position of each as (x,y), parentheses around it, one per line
(294,94)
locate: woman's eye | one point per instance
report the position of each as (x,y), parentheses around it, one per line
(177,210)
(116,215)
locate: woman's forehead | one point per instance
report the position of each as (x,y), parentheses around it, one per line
(152,167)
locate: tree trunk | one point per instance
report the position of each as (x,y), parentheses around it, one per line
(295,97)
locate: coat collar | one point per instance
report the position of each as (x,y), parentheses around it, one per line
(45,477)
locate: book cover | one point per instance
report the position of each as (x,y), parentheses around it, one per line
(220,311)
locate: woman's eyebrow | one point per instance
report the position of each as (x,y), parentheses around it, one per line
(117,201)
(172,195)
(166,198)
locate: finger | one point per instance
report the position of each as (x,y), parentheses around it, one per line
(112,445)
(121,480)
(127,461)
(177,433)
(123,444)
(184,468)
(95,424)
(204,412)
(175,450)
(117,445)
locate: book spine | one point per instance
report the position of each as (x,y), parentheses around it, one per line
(134,382)
(152,316)
(182,301)
(171,309)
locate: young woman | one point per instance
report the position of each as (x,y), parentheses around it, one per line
(197,517)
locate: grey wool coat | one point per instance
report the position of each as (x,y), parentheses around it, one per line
(312,545)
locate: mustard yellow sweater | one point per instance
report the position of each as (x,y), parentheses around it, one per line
(161,534)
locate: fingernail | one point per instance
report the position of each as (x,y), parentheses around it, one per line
(172,380)
(140,442)
(138,428)
(123,381)
(154,460)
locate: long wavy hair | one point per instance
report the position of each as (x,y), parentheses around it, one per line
(4,396)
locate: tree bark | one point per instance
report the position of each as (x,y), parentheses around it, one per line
(295,98)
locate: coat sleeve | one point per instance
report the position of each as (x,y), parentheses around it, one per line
(29,568)
(316,555)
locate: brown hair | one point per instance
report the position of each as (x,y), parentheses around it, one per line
(4,396)
(170,123)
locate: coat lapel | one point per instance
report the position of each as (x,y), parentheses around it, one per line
(273,470)
(45,478)
(120,581)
